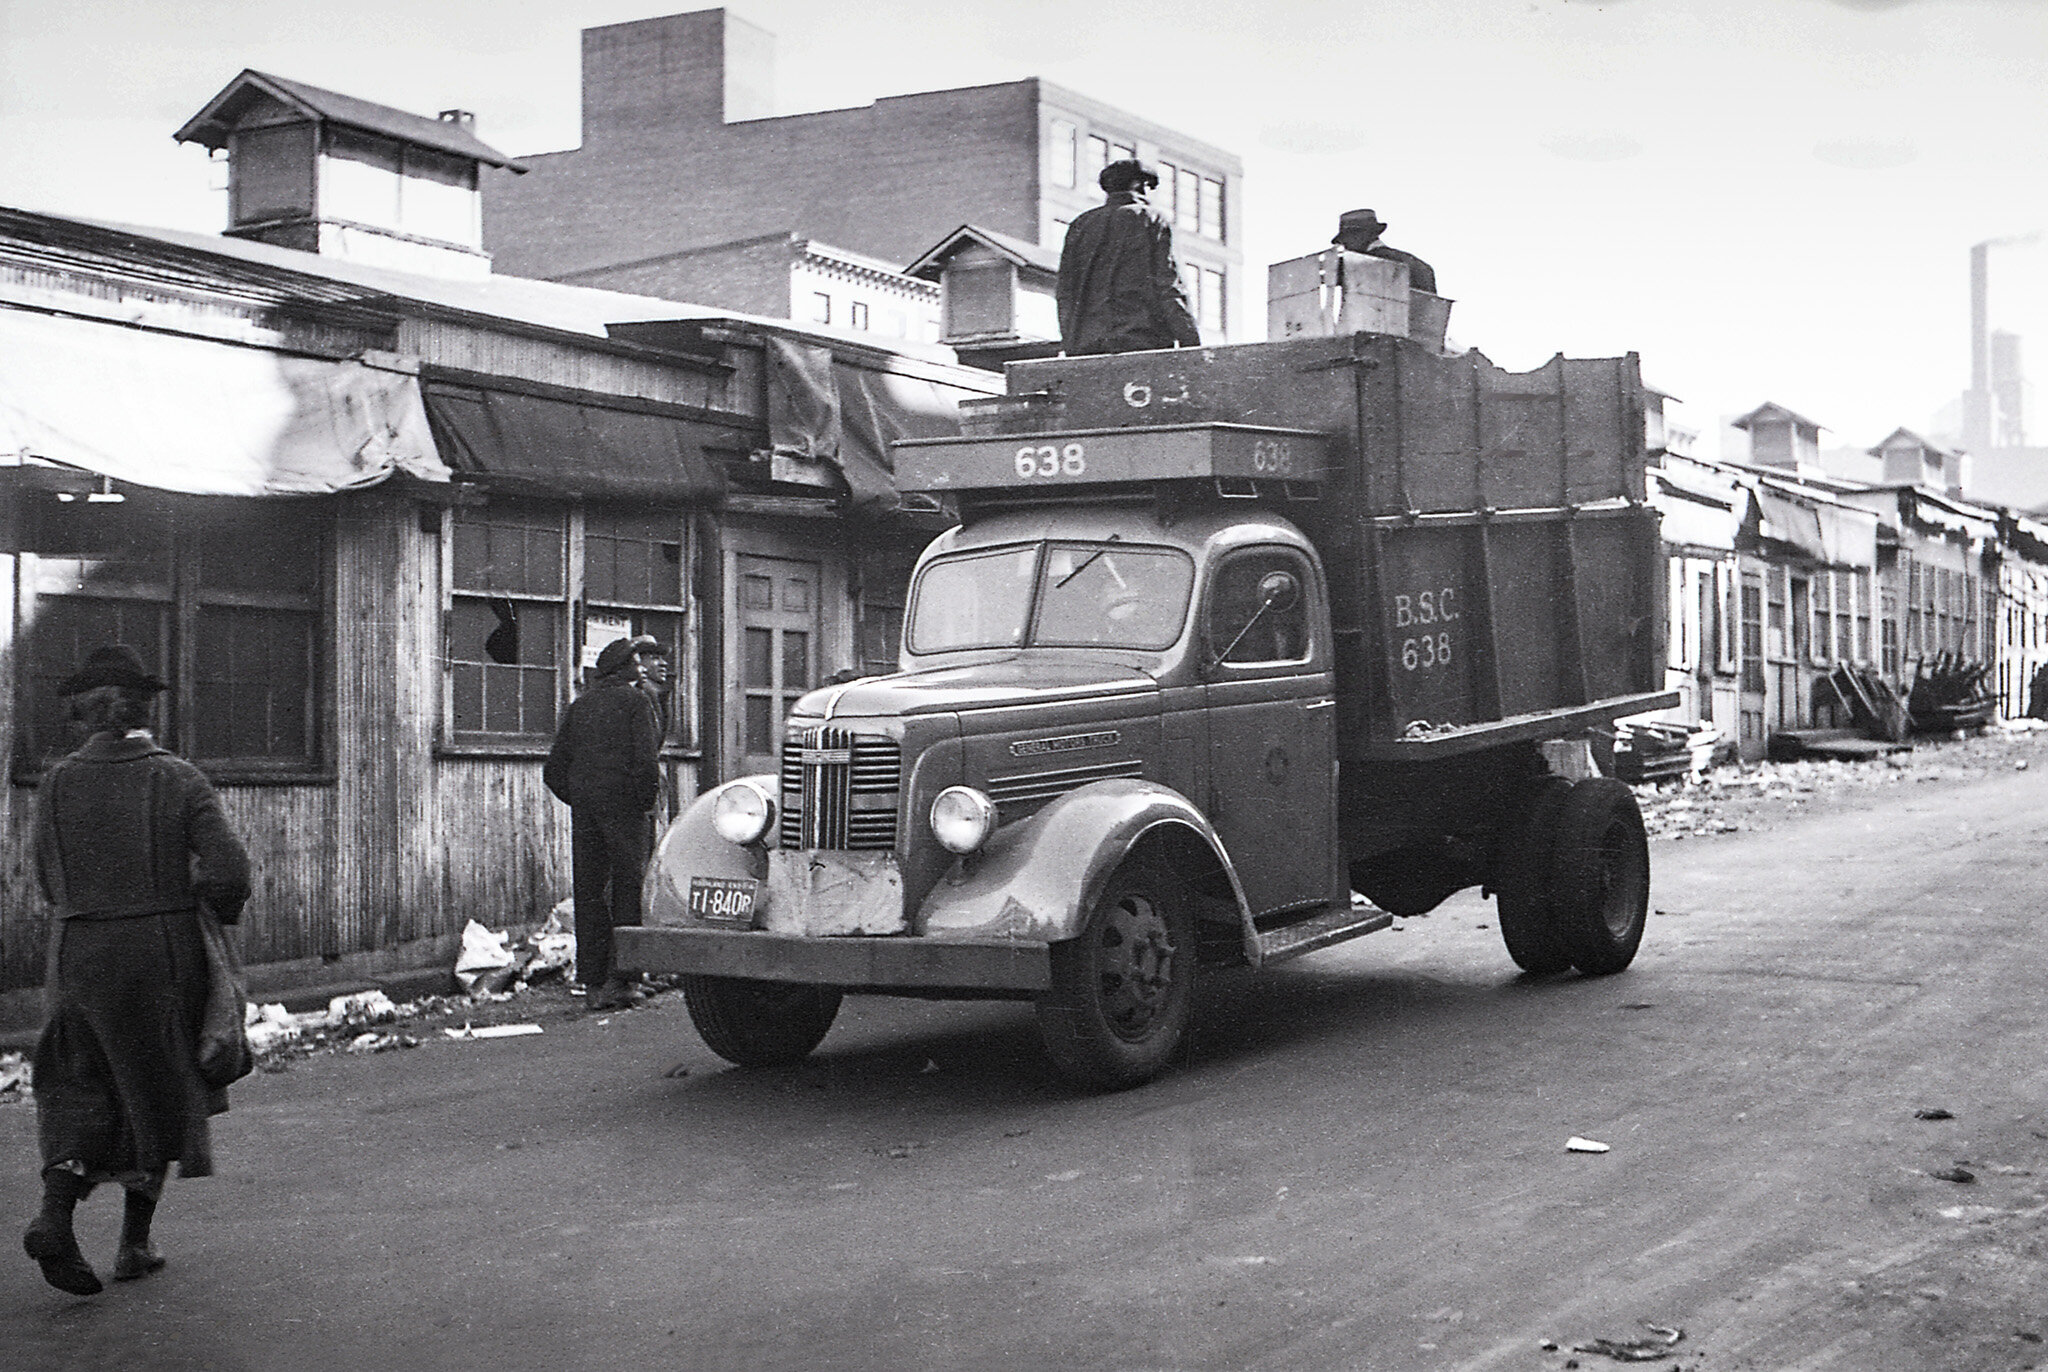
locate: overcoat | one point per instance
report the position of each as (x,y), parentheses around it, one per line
(128,840)
(1119,287)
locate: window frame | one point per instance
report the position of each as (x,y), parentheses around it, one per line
(181,597)
(684,736)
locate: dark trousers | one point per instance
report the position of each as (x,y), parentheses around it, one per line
(609,851)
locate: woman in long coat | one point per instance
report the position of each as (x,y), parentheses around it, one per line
(129,840)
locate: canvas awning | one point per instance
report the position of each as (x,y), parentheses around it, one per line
(1838,535)
(556,446)
(203,417)
(833,410)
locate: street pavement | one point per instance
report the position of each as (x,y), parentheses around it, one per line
(1361,1163)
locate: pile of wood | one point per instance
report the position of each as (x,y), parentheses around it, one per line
(1874,705)
(1949,694)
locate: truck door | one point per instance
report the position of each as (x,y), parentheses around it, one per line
(1272,726)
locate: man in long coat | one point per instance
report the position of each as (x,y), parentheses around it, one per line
(129,840)
(606,767)
(1119,287)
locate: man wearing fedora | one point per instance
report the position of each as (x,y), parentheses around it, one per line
(1119,287)
(129,842)
(1360,230)
(605,765)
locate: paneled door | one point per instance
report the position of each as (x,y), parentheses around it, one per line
(776,600)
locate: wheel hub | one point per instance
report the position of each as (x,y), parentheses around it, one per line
(1136,967)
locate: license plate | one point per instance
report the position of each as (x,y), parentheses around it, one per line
(724,900)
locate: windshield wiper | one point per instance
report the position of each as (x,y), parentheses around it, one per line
(1086,562)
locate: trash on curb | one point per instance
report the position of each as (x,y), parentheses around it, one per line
(493,1031)
(490,963)
(1663,1339)
(1936,1113)
(483,952)
(1575,1144)
(14,1076)
(1958,1174)
(370,1041)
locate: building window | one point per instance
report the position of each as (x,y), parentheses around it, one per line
(1752,634)
(1122,152)
(1094,157)
(515,648)
(1213,316)
(224,599)
(821,308)
(1212,208)
(1061,152)
(857,314)
(1187,199)
(1169,181)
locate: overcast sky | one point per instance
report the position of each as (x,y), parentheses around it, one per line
(1768,199)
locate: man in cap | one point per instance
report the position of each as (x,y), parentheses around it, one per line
(658,684)
(1119,288)
(1360,230)
(605,766)
(129,842)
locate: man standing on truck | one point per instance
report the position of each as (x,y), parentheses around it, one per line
(1360,230)
(605,766)
(1119,288)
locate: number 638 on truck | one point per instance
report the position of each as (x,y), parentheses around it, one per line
(1224,690)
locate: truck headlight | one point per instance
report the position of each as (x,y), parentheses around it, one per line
(962,819)
(743,812)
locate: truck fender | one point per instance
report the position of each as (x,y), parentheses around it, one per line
(690,847)
(1038,878)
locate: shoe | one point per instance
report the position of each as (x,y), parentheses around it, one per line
(64,1267)
(135,1261)
(615,994)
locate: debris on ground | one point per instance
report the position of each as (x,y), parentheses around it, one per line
(1959,1174)
(14,1077)
(490,963)
(1655,1348)
(1933,1113)
(1575,1144)
(370,1041)
(493,1031)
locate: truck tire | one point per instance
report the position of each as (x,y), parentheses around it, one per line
(759,1023)
(1528,926)
(1600,876)
(1123,991)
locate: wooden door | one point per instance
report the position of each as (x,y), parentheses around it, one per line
(776,604)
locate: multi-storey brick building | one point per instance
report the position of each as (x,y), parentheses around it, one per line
(681,151)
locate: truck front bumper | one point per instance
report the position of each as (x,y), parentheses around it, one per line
(856,963)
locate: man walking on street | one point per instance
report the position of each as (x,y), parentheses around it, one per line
(605,766)
(1119,288)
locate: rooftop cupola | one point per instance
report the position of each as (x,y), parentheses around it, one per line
(331,174)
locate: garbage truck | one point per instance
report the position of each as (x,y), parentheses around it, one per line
(1235,653)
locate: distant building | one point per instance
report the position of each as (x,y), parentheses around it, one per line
(681,150)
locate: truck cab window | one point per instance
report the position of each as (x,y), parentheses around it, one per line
(1112,595)
(980,601)
(1251,615)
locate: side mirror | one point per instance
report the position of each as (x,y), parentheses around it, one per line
(1279,590)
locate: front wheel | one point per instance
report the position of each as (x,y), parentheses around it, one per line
(1123,991)
(1600,876)
(759,1023)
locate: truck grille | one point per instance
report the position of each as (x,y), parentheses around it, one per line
(839,789)
(1030,788)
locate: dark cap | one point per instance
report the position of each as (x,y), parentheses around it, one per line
(1125,173)
(1360,225)
(117,664)
(615,657)
(648,645)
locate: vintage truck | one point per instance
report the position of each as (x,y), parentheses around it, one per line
(1235,653)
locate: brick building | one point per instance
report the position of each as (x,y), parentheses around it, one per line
(682,151)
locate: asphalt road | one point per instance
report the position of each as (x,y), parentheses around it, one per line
(1361,1164)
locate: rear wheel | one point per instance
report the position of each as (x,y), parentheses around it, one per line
(1123,991)
(759,1023)
(1600,876)
(1528,925)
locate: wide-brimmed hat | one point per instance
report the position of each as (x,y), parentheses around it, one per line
(1125,173)
(648,645)
(616,655)
(1363,222)
(116,664)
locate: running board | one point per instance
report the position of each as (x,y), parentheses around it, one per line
(1320,931)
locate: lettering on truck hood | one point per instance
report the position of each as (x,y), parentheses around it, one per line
(974,686)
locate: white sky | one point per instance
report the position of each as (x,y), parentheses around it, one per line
(1768,199)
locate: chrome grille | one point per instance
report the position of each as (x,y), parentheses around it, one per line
(839,789)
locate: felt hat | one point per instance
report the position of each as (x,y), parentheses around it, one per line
(1125,173)
(116,664)
(1362,224)
(648,644)
(616,656)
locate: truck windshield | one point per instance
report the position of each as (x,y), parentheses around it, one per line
(1087,595)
